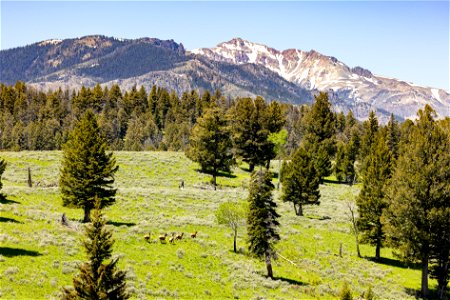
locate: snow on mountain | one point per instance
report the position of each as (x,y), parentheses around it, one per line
(350,87)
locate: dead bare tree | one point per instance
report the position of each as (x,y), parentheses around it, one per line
(352,218)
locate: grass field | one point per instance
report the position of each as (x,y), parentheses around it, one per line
(38,255)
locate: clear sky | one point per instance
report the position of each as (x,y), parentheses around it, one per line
(408,40)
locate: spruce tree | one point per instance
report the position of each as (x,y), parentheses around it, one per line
(262,218)
(210,144)
(87,170)
(340,163)
(393,136)
(320,137)
(372,200)
(419,195)
(97,279)
(2,169)
(368,138)
(253,122)
(301,181)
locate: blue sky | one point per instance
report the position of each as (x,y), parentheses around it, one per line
(408,40)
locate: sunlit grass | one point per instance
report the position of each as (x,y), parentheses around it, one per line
(38,255)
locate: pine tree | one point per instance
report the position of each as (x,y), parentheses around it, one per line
(210,144)
(393,136)
(320,137)
(346,157)
(368,138)
(98,280)
(419,195)
(87,170)
(340,164)
(2,169)
(301,181)
(253,122)
(262,218)
(372,200)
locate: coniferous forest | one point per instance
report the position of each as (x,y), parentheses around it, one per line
(401,168)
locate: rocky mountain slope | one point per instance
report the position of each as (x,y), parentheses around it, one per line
(237,68)
(98,59)
(351,88)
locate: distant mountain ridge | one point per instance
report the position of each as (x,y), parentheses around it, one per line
(351,88)
(237,67)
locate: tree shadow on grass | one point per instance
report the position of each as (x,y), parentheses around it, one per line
(320,218)
(11,252)
(4,220)
(4,200)
(433,293)
(118,224)
(395,263)
(219,174)
(335,182)
(290,281)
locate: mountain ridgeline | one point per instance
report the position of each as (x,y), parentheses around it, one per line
(237,68)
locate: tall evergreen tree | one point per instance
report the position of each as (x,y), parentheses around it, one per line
(262,218)
(320,134)
(346,154)
(210,144)
(372,200)
(87,170)
(98,280)
(371,127)
(252,124)
(2,169)
(393,136)
(301,181)
(419,194)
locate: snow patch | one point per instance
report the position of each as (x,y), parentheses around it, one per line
(435,93)
(50,42)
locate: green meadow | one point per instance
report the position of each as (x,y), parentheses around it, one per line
(38,255)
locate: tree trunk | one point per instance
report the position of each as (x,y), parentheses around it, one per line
(234,241)
(251,167)
(269,266)
(268,165)
(443,278)
(424,289)
(377,250)
(87,215)
(30,182)
(279,174)
(300,210)
(357,246)
(214,179)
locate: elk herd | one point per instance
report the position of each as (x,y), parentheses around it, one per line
(164,238)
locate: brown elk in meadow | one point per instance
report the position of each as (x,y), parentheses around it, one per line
(179,236)
(172,238)
(147,237)
(162,238)
(194,235)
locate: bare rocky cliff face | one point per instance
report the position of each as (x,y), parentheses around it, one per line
(237,68)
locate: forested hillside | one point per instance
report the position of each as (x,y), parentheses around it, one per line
(402,170)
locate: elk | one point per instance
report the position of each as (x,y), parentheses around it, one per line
(179,236)
(194,235)
(162,238)
(147,237)
(172,238)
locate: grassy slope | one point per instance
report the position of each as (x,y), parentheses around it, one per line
(38,255)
